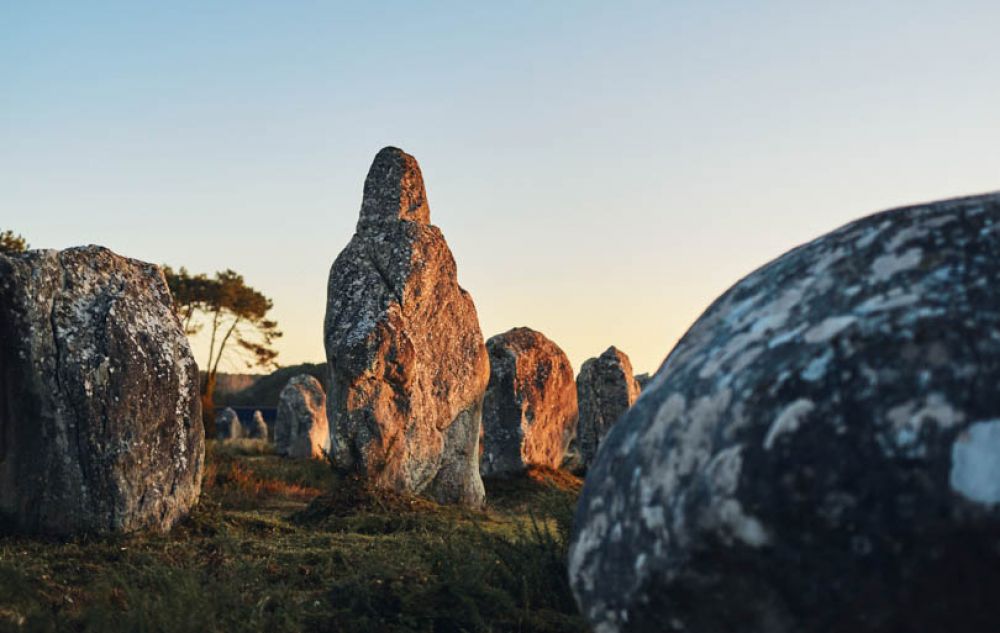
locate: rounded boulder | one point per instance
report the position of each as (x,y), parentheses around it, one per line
(820,451)
(100,419)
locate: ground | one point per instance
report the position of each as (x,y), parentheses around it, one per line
(283,545)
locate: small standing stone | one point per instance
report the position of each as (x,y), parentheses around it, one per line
(529,413)
(227,425)
(642,380)
(301,429)
(605,390)
(258,426)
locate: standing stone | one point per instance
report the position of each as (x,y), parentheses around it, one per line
(642,380)
(258,427)
(301,429)
(100,420)
(408,366)
(820,451)
(605,390)
(529,412)
(228,425)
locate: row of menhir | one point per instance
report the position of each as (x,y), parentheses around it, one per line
(534,412)
(100,414)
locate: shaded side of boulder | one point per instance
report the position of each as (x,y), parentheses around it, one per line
(228,425)
(100,420)
(820,450)
(408,366)
(530,410)
(301,428)
(605,389)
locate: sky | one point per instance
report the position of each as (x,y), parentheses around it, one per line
(601,170)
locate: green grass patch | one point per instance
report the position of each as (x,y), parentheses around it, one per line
(284,545)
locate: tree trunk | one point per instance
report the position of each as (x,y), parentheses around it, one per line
(208,405)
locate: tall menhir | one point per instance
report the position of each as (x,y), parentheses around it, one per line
(408,366)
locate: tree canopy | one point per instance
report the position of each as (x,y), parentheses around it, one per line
(236,315)
(234,312)
(11,243)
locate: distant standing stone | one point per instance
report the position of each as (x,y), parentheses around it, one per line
(408,366)
(100,419)
(529,413)
(821,450)
(227,425)
(642,380)
(605,390)
(258,426)
(301,429)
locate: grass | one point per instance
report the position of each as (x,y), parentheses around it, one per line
(283,545)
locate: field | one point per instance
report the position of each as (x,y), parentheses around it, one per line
(283,545)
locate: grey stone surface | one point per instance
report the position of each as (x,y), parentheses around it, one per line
(605,389)
(301,429)
(530,410)
(100,419)
(820,451)
(408,366)
(228,425)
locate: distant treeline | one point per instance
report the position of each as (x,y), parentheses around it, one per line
(231,383)
(263,391)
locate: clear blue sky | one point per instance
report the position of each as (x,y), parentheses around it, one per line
(601,170)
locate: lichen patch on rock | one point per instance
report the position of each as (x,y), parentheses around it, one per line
(975,468)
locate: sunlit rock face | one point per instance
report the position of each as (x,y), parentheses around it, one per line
(606,389)
(529,412)
(100,420)
(228,425)
(820,450)
(301,429)
(408,366)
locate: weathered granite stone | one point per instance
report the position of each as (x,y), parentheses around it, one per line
(228,425)
(258,427)
(605,390)
(529,412)
(408,366)
(820,451)
(301,429)
(100,421)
